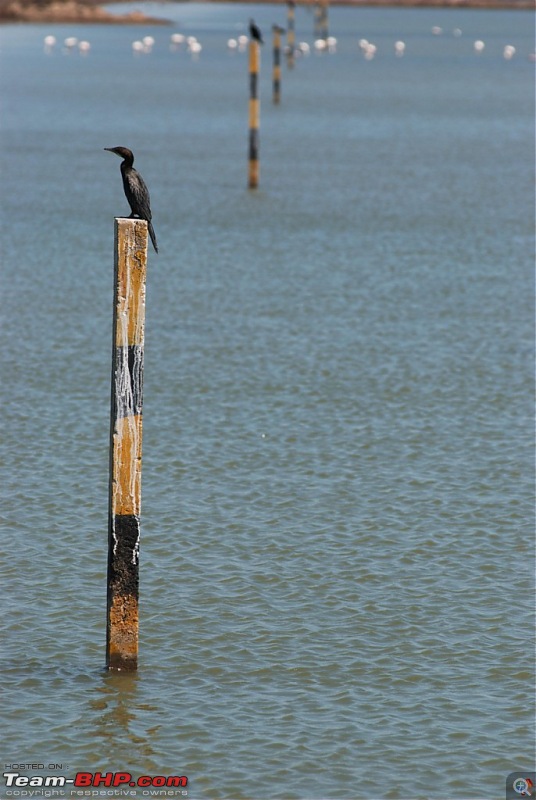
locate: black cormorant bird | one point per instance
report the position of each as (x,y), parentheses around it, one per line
(136,191)
(255,32)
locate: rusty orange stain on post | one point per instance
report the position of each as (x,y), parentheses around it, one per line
(126,486)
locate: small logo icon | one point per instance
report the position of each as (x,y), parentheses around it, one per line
(521,784)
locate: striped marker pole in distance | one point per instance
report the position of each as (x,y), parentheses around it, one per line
(254,113)
(276,78)
(324,25)
(125,444)
(291,34)
(318,20)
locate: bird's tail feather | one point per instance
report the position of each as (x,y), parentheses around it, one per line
(152,235)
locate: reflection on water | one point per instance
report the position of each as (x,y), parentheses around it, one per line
(118,712)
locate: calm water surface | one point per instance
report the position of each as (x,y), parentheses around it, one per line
(337,528)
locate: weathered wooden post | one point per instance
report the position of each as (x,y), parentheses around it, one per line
(291,34)
(125,443)
(254,113)
(276,76)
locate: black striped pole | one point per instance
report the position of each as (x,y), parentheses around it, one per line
(318,20)
(291,34)
(125,444)
(324,26)
(254,113)
(276,82)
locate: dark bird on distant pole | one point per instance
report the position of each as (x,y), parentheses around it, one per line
(136,191)
(255,32)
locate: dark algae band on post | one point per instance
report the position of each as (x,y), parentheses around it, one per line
(123,593)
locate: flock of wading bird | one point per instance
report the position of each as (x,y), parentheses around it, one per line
(322,43)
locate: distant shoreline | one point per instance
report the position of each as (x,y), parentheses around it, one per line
(89,11)
(70,12)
